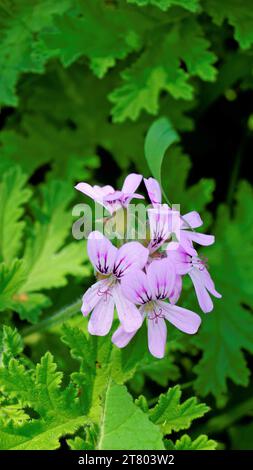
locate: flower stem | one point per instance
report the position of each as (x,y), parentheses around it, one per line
(59,317)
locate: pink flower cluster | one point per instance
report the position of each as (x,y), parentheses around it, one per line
(145,282)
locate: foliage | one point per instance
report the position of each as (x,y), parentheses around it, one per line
(90,91)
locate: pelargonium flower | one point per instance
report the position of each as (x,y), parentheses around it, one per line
(196,267)
(149,291)
(188,222)
(111,265)
(111,199)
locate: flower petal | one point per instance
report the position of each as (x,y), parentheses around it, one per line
(101,252)
(157,335)
(177,289)
(186,243)
(102,317)
(97,193)
(209,284)
(183,319)
(160,226)
(121,338)
(180,259)
(131,183)
(128,313)
(191,220)
(92,297)
(201,238)
(129,255)
(104,190)
(204,299)
(161,278)
(154,190)
(135,287)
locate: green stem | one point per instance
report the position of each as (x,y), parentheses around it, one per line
(235,172)
(59,317)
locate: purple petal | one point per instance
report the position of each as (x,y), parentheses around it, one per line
(97,193)
(135,287)
(128,313)
(157,334)
(201,238)
(121,338)
(183,319)
(177,289)
(154,190)
(104,190)
(92,297)
(180,259)
(186,243)
(129,255)
(102,317)
(210,284)
(191,220)
(204,299)
(131,183)
(101,252)
(160,227)
(161,278)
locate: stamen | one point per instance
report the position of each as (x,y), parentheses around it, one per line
(200,262)
(156,315)
(105,293)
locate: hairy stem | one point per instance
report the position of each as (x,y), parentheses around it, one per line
(59,317)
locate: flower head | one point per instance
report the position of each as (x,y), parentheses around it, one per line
(149,291)
(111,199)
(196,267)
(111,265)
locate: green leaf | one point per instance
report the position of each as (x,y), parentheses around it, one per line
(38,435)
(83,31)
(231,324)
(160,137)
(13,196)
(122,423)
(12,413)
(21,50)
(11,344)
(191,5)
(158,69)
(11,279)
(46,258)
(239,14)
(79,444)
(241,436)
(178,165)
(36,142)
(186,443)
(59,411)
(172,415)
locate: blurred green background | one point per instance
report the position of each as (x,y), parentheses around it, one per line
(80,84)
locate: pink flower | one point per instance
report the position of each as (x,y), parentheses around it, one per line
(149,291)
(190,221)
(111,199)
(195,266)
(111,265)
(163,227)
